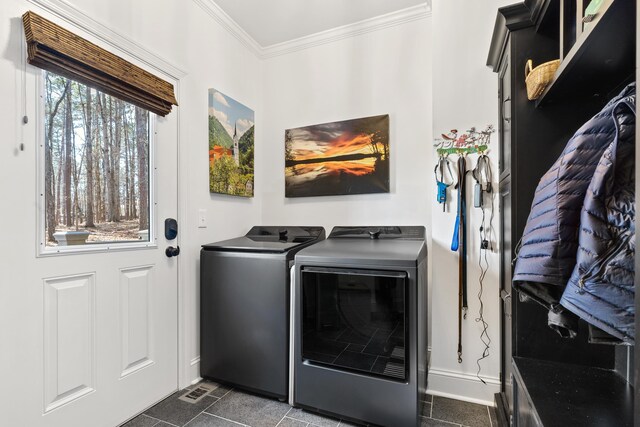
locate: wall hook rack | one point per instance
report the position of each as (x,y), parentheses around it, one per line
(470,142)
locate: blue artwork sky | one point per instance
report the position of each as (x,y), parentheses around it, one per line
(230,112)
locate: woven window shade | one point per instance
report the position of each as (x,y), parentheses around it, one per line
(58,50)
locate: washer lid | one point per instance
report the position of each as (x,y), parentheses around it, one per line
(270,239)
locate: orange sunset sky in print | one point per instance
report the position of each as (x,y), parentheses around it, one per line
(345,143)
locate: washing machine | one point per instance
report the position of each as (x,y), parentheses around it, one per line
(360,325)
(244,307)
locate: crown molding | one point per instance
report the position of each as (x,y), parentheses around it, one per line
(116,41)
(70,14)
(221,17)
(388,20)
(351,30)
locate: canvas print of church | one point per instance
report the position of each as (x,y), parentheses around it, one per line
(231,130)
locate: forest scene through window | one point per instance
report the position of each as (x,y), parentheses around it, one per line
(96,159)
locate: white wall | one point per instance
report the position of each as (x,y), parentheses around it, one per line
(382,72)
(464,95)
(390,71)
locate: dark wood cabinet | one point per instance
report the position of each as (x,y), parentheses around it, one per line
(505,399)
(536,363)
(505,402)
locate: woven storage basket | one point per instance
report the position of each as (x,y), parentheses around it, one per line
(538,78)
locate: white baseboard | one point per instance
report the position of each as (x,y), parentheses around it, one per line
(461,386)
(441,382)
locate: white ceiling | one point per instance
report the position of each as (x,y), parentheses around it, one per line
(270,22)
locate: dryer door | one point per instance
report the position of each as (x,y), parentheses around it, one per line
(356,320)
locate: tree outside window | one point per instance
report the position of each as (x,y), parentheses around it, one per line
(96,154)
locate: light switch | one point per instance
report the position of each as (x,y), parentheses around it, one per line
(202,218)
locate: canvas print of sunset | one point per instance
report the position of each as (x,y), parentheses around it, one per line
(347,157)
(231,130)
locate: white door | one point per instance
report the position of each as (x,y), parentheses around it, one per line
(87,338)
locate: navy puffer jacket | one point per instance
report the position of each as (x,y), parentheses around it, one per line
(547,256)
(601,289)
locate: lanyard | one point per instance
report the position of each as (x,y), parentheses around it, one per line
(482,175)
(442,185)
(459,243)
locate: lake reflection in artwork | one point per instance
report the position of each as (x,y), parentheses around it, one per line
(346,157)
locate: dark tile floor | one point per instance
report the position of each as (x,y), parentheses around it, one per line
(225,407)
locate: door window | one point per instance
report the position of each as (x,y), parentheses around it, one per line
(96,163)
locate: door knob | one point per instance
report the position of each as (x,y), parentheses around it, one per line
(171,251)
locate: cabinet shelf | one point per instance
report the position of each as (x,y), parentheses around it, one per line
(601,60)
(565,394)
(547,380)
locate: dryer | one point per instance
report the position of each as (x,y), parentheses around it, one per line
(360,325)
